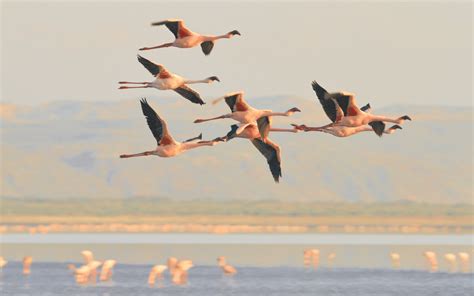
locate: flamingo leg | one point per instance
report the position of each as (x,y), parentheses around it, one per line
(146,153)
(158,46)
(126,87)
(128,82)
(214,118)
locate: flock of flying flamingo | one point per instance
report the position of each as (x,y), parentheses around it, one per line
(346,117)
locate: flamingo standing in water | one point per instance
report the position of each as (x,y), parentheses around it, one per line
(3,263)
(226,268)
(156,272)
(342,110)
(243,112)
(165,80)
(186,38)
(180,275)
(167,146)
(258,135)
(27,260)
(107,270)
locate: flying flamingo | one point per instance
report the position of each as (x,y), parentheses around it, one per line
(167,146)
(186,38)
(226,268)
(243,112)
(165,80)
(258,135)
(345,131)
(342,110)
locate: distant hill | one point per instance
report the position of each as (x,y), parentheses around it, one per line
(70,149)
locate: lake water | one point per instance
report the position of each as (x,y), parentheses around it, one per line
(270,264)
(55,279)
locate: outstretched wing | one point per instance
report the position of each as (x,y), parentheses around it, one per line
(236,102)
(190,94)
(330,106)
(263,124)
(176,27)
(153,68)
(157,125)
(271,152)
(347,103)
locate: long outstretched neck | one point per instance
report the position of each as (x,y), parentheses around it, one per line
(146,153)
(287,113)
(206,80)
(398,120)
(213,38)
(214,118)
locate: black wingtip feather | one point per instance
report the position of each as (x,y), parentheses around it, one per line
(378,127)
(207,46)
(405,117)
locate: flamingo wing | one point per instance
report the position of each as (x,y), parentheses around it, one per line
(157,125)
(263,124)
(347,103)
(271,152)
(189,94)
(330,106)
(236,102)
(176,27)
(153,68)
(207,47)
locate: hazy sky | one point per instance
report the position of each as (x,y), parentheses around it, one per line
(389,53)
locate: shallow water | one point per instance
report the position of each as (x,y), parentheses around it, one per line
(55,279)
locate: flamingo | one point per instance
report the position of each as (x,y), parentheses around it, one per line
(464,261)
(156,272)
(451,260)
(171,263)
(345,131)
(432,260)
(395,258)
(165,80)
(167,146)
(258,135)
(3,262)
(106,272)
(226,268)
(180,275)
(243,112)
(88,256)
(27,260)
(311,256)
(342,110)
(186,38)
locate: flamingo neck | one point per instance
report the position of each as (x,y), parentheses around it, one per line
(196,81)
(213,38)
(383,118)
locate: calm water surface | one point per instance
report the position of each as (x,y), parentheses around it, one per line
(55,279)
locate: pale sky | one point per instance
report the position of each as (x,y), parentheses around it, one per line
(389,53)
